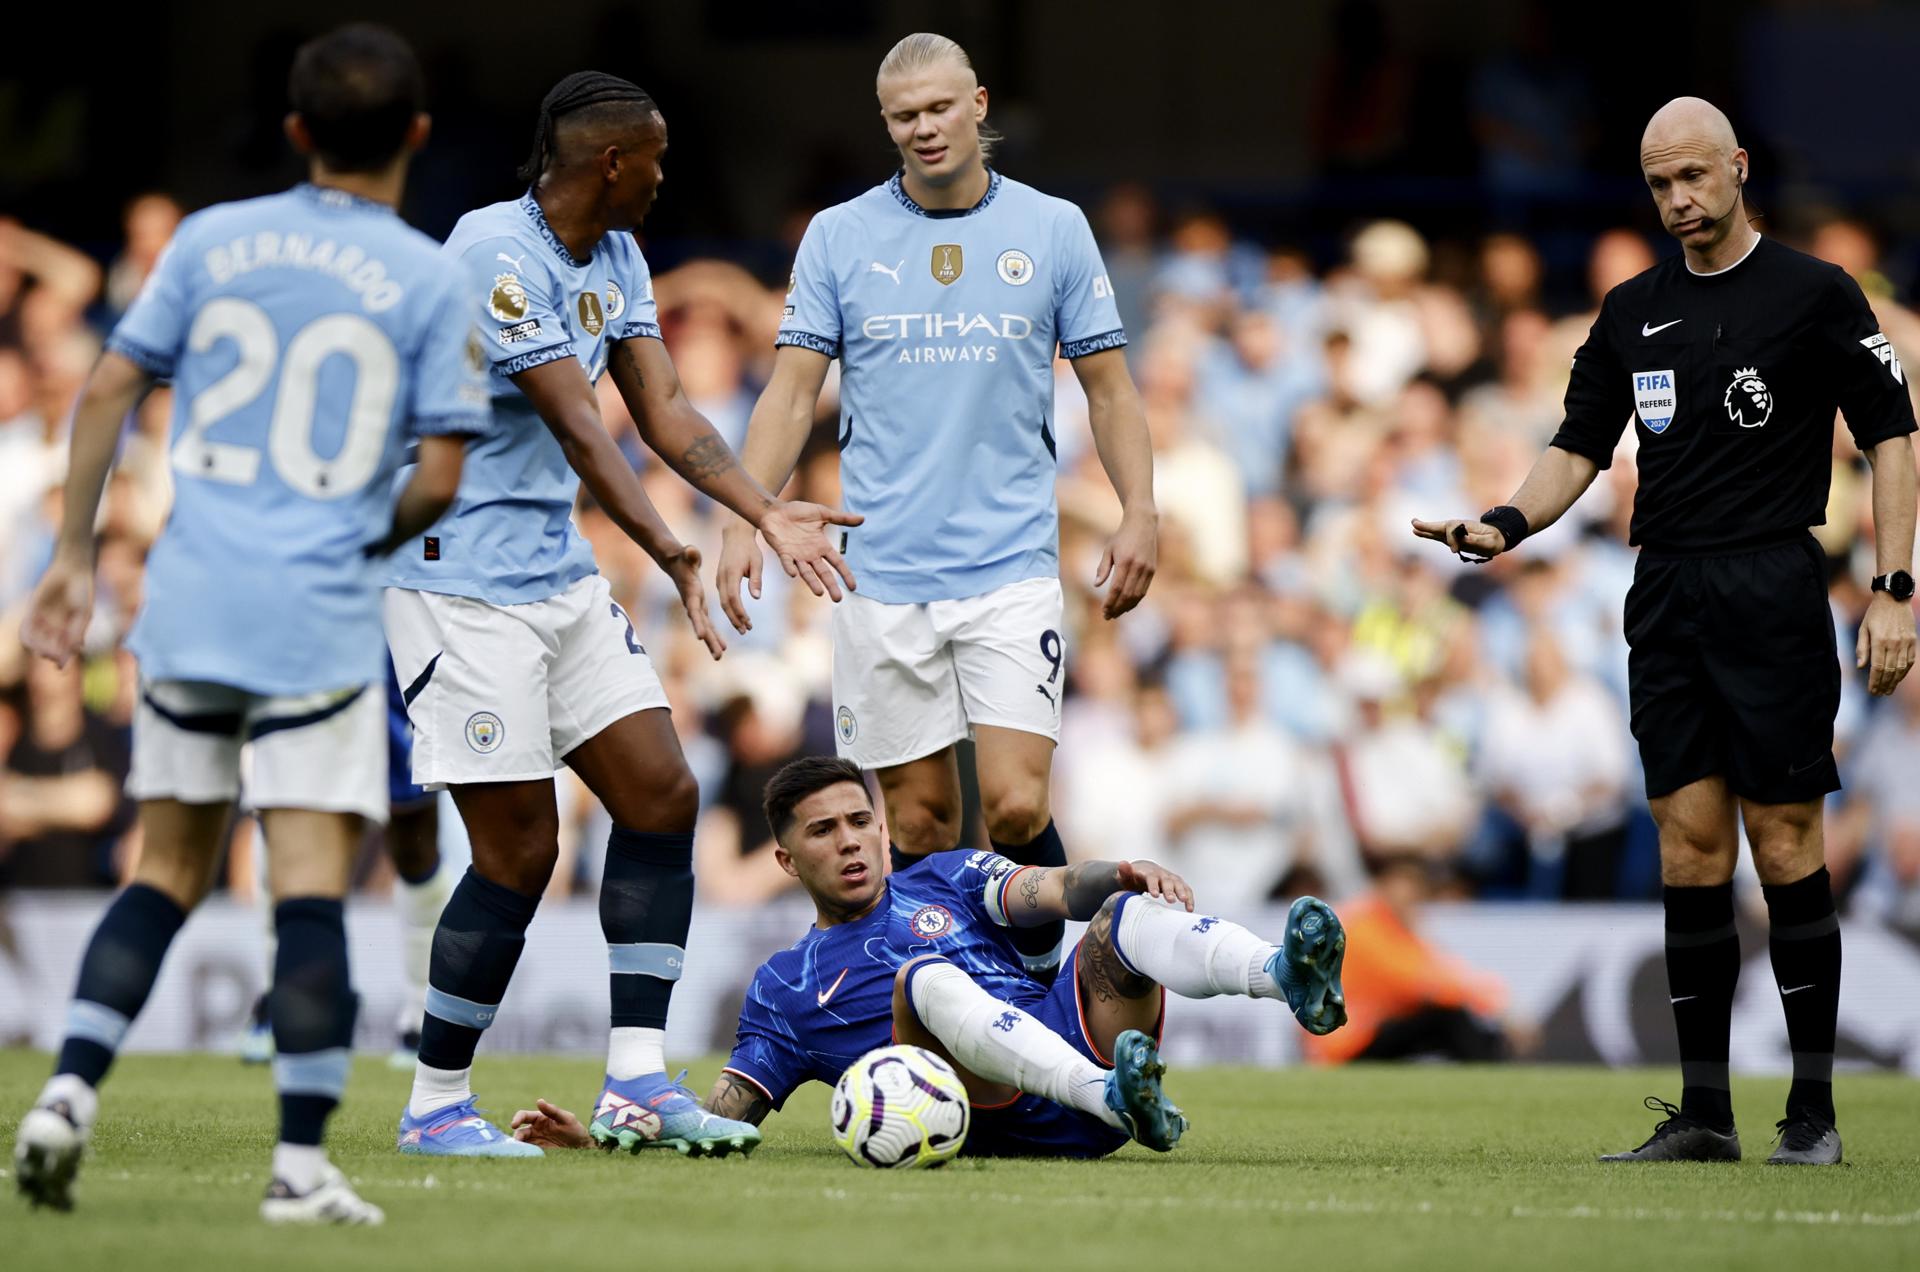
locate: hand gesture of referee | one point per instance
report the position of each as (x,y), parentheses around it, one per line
(1731,362)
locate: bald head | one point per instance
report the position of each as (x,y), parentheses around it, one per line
(1689,125)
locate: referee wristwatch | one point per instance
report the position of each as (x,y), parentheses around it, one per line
(1898,585)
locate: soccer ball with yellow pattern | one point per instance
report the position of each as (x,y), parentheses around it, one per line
(898,1108)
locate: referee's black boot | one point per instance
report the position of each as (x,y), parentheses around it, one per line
(1680,1138)
(1806,1140)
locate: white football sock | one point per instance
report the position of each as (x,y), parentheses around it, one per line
(633,1051)
(1194,955)
(82,1100)
(436,1089)
(1001,1043)
(420,905)
(299,1166)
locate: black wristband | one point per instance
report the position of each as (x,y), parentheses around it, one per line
(1510,522)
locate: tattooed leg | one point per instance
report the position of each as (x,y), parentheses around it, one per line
(1113,997)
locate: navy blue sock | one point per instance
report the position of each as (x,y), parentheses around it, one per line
(475,948)
(646,907)
(1804,942)
(901,858)
(1703,969)
(1038,946)
(312,1007)
(117,974)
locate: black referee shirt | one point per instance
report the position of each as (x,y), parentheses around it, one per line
(1732,380)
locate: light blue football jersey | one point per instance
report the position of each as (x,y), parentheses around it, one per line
(945,325)
(310,337)
(510,537)
(815,1008)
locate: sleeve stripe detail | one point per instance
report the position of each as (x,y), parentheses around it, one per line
(640,331)
(148,359)
(997,896)
(750,1078)
(535,358)
(807,340)
(1115,339)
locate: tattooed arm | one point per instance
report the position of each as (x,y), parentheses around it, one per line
(1038,894)
(797,532)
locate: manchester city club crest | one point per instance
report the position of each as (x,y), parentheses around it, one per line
(1015,267)
(508,299)
(616,301)
(1748,400)
(843,721)
(930,921)
(947,263)
(1655,398)
(592,317)
(485,732)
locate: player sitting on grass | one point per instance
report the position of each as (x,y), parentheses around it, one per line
(926,956)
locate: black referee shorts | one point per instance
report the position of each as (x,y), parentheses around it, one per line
(1734,671)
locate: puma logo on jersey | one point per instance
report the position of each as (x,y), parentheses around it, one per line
(1042,691)
(514,261)
(894,273)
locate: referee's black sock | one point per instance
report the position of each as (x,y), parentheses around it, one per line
(1805,943)
(1039,946)
(1703,967)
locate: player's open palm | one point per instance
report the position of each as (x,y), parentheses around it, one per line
(56,620)
(1156,881)
(1131,558)
(684,570)
(549,1126)
(800,535)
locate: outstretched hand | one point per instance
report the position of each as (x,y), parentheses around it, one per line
(550,1126)
(798,534)
(1474,541)
(684,570)
(1156,881)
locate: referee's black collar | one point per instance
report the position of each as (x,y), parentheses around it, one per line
(1724,270)
(897,186)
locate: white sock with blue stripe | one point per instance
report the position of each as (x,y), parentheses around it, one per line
(1194,955)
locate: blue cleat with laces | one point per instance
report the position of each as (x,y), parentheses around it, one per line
(459,1131)
(651,1112)
(1133,1092)
(1306,967)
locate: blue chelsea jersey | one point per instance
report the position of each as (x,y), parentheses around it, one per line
(815,1008)
(310,336)
(510,537)
(945,325)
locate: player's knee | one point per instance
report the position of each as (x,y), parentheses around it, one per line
(677,802)
(925,826)
(903,984)
(1016,817)
(1787,845)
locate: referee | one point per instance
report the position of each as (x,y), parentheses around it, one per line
(1731,362)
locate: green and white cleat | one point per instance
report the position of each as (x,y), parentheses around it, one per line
(1133,1092)
(651,1112)
(1306,967)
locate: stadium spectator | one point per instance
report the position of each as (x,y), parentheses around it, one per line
(61,804)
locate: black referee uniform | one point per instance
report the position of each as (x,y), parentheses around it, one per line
(1732,379)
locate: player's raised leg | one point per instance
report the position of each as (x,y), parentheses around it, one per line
(117,973)
(636,768)
(1000,1048)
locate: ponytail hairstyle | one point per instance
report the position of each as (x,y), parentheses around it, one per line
(582,90)
(923,49)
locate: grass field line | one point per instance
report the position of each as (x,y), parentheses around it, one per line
(1331,1205)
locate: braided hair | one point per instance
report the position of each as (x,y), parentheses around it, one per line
(582,90)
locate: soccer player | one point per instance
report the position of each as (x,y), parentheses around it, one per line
(1732,358)
(311,337)
(514,656)
(944,292)
(926,956)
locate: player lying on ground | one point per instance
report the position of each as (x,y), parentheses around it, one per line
(926,957)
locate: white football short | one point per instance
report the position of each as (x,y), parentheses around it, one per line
(503,693)
(321,751)
(910,680)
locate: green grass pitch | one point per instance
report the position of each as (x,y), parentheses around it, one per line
(1420,1167)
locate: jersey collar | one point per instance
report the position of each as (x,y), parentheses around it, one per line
(531,206)
(328,197)
(1726,269)
(898,188)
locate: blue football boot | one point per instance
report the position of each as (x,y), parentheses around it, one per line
(651,1112)
(459,1131)
(1306,967)
(1133,1092)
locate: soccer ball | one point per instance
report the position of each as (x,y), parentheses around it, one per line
(899,1108)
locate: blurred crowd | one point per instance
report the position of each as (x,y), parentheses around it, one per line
(1309,698)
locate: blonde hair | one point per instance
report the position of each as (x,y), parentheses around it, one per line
(921,50)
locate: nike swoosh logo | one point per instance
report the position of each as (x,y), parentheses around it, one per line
(1799,769)
(1784,991)
(824,995)
(1684,998)
(1646,330)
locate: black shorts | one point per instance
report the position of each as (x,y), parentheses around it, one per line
(1734,671)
